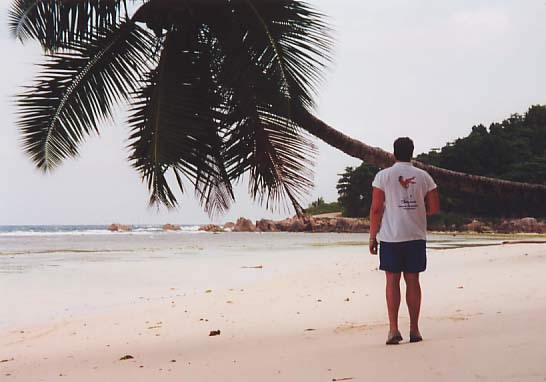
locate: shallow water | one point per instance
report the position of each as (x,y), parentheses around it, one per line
(94,241)
(73,274)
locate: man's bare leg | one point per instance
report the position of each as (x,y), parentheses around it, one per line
(413,299)
(393,302)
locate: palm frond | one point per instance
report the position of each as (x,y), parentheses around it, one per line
(219,103)
(75,91)
(175,126)
(260,90)
(278,158)
(290,37)
(55,23)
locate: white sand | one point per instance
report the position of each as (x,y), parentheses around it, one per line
(483,318)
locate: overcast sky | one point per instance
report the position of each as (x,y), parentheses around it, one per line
(426,69)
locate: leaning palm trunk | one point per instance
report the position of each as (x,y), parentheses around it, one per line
(515,197)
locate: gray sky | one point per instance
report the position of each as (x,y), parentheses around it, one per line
(426,69)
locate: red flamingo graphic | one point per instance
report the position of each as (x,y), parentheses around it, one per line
(406,182)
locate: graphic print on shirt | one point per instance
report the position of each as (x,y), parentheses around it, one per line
(406,182)
(408,202)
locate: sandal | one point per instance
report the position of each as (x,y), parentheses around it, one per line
(394,339)
(415,338)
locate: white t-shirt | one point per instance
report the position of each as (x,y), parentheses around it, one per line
(405,188)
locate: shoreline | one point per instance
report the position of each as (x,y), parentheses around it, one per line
(322,223)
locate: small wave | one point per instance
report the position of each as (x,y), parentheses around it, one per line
(54,233)
(26,231)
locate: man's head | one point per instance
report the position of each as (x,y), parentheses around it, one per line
(403,149)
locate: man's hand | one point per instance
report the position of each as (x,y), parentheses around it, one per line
(373,246)
(376,214)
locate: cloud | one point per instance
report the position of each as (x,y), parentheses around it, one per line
(491,19)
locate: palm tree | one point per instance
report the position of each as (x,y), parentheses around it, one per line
(216,89)
(526,198)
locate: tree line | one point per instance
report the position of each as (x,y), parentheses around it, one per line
(514,150)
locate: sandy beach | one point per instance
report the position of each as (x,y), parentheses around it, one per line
(319,318)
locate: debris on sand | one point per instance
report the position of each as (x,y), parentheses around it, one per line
(214,333)
(126,357)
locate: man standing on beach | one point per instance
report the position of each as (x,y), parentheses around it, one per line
(402,197)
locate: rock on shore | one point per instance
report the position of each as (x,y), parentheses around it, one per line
(211,228)
(530,225)
(354,225)
(302,224)
(171,227)
(244,225)
(523,225)
(119,228)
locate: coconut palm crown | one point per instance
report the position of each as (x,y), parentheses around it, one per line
(212,87)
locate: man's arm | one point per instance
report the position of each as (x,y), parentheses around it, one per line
(432,202)
(376,214)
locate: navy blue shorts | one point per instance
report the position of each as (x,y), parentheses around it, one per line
(405,256)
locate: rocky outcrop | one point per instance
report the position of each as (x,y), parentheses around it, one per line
(361,226)
(527,225)
(524,225)
(313,224)
(211,228)
(531,225)
(293,224)
(477,226)
(244,225)
(171,227)
(353,225)
(119,228)
(266,225)
(229,226)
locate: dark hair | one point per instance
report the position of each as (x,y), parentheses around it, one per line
(403,149)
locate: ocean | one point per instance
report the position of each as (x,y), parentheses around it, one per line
(41,230)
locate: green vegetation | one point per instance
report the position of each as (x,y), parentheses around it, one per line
(448,219)
(319,206)
(354,188)
(514,150)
